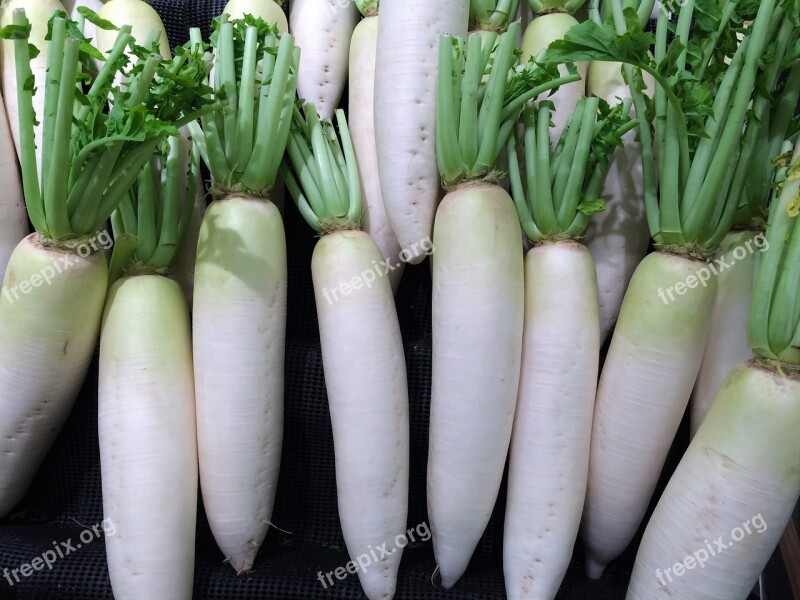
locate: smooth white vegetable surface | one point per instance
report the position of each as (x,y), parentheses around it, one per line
(644,389)
(738,483)
(148,443)
(322,30)
(361,117)
(239,329)
(405,111)
(142,18)
(50,310)
(478,312)
(727,345)
(365,376)
(549,457)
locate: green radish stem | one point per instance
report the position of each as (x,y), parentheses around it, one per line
(148,445)
(362,350)
(618,237)
(492,15)
(39,13)
(747,207)
(146,361)
(740,477)
(639,402)
(268,10)
(478,287)
(240,282)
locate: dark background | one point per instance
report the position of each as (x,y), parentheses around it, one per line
(65,497)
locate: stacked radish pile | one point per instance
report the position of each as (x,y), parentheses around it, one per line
(556,162)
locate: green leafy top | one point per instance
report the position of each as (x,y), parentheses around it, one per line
(321,172)
(492,15)
(255,72)
(774,327)
(91,156)
(151,221)
(559,190)
(705,85)
(477,113)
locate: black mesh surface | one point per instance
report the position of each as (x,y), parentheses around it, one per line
(65,497)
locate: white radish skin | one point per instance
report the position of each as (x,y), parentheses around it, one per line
(142,18)
(361,120)
(239,329)
(13,216)
(47,339)
(268,10)
(38,13)
(365,375)
(407,65)
(478,310)
(148,446)
(322,30)
(644,388)
(542,31)
(549,461)
(617,237)
(727,345)
(742,467)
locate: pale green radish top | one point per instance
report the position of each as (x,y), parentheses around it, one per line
(696,159)
(93,155)
(322,173)
(475,114)
(492,15)
(255,72)
(774,331)
(562,187)
(151,221)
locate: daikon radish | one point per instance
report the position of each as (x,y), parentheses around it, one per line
(54,288)
(478,289)
(362,351)
(240,285)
